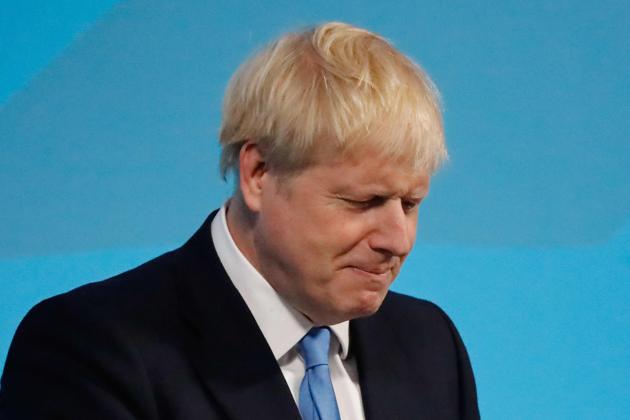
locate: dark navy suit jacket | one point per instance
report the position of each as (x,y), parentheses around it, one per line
(173,339)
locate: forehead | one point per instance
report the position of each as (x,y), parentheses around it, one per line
(368,173)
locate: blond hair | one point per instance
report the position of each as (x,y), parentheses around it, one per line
(334,87)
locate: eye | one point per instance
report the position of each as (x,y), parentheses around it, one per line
(363,204)
(410,205)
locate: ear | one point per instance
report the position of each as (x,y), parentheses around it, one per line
(252,171)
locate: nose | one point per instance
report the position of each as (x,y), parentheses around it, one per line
(394,231)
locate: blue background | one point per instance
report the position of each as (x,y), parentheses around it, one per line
(109,113)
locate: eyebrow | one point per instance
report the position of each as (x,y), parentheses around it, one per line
(419,191)
(371,194)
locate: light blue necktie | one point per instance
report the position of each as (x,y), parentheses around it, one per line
(317,397)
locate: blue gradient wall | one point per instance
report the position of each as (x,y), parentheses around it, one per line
(109,114)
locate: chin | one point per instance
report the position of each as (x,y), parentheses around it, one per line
(359,304)
(360,309)
(367,304)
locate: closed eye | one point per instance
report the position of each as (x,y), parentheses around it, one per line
(410,205)
(369,203)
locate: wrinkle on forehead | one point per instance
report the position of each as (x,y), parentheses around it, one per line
(376,175)
(365,169)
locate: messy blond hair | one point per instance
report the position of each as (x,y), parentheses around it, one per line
(334,87)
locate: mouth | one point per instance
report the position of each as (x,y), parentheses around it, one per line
(377,275)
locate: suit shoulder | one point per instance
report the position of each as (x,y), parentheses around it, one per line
(139,286)
(85,339)
(424,325)
(404,307)
(129,298)
(419,319)
(131,304)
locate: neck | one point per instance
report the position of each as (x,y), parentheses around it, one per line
(240,223)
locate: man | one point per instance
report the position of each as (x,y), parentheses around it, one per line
(278,307)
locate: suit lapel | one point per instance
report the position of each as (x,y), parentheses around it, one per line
(390,387)
(228,349)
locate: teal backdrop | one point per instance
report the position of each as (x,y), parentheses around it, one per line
(109,112)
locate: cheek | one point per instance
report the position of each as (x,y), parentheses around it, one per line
(298,251)
(344,236)
(327,234)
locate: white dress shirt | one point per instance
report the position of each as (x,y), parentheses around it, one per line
(283,326)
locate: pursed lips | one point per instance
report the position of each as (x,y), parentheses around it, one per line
(376,271)
(377,268)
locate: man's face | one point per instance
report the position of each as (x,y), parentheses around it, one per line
(332,239)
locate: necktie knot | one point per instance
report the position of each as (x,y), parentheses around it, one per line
(314,347)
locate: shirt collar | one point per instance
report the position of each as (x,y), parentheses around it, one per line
(282,325)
